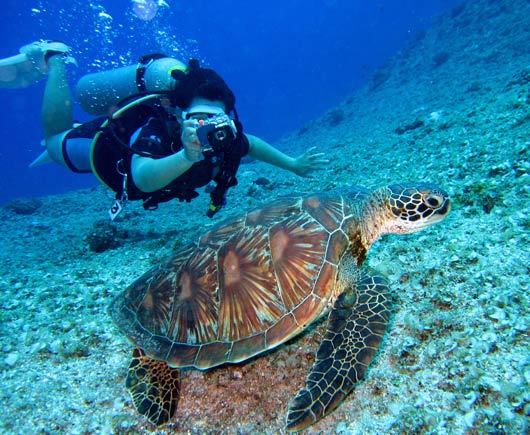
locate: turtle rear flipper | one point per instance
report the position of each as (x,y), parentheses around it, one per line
(154,387)
(355,329)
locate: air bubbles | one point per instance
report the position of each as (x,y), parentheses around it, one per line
(104,15)
(145,9)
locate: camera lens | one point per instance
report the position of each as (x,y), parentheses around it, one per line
(220,135)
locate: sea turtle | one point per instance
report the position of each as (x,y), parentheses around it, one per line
(255,281)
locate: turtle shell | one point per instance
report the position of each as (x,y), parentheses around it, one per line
(248,285)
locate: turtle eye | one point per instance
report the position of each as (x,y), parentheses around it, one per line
(434,201)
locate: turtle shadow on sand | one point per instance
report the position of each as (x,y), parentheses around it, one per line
(251,395)
(254,282)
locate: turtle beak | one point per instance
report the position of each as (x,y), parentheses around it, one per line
(443,211)
(447,207)
(439,215)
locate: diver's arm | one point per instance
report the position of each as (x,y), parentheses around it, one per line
(150,174)
(302,165)
(261,150)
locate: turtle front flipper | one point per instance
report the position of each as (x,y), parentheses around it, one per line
(154,387)
(356,326)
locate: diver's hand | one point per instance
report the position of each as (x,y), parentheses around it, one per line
(190,141)
(309,162)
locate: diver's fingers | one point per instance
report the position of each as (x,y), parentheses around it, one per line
(190,123)
(322,161)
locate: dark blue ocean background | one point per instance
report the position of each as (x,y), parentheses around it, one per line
(287,61)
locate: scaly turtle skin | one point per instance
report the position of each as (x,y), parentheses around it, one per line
(254,282)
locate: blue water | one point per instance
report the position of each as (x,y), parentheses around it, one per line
(287,61)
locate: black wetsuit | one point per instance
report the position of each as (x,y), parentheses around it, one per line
(154,140)
(111,155)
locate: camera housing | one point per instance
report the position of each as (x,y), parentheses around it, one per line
(216,134)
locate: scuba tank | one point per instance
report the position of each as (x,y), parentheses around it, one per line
(99,93)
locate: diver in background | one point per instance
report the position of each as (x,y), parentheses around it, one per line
(166,130)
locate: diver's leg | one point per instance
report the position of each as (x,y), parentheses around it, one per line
(62,146)
(57,109)
(57,120)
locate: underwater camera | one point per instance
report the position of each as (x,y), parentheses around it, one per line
(216,134)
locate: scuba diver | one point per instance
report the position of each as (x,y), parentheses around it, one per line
(163,129)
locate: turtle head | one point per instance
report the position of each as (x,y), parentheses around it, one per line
(414,207)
